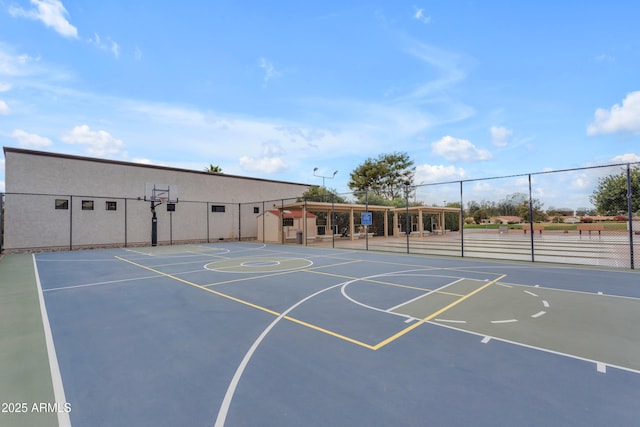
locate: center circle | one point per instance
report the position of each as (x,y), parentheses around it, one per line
(260,263)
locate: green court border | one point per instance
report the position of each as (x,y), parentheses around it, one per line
(25,375)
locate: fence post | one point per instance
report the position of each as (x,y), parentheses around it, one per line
(333,221)
(207,213)
(366,227)
(461,222)
(630,214)
(406,221)
(239,222)
(305,229)
(1,221)
(531,220)
(70,223)
(281,223)
(125,222)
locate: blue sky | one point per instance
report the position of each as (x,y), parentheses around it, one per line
(469,89)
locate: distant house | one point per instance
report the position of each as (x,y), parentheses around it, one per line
(272,223)
(507,220)
(571,220)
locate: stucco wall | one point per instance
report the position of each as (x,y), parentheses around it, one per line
(34,180)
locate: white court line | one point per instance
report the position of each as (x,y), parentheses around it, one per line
(486,339)
(538,314)
(505,321)
(450,321)
(226,402)
(138,252)
(77,260)
(545,303)
(530,293)
(601,367)
(87,285)
(56,377)
(533,347)
(423,295)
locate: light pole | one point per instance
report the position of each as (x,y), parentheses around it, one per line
(323,177)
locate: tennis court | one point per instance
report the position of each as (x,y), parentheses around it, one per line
(247,334)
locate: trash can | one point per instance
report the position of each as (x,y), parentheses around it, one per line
(299,237)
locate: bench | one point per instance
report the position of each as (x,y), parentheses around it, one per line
(323,237)
(536,227)
(590,227)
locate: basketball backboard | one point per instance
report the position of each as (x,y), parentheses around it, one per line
(161,193)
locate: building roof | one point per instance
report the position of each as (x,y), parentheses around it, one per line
(336,207)
(291,214)
(139,165)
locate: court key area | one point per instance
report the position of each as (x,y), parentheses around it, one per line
(247,334)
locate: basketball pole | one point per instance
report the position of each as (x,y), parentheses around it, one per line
(154,225)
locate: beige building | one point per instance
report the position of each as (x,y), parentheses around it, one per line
(62,201)
(281,226)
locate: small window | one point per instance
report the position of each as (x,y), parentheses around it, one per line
(217,208)
(256,210)
(87,205)
(112,206)
(62,204)
(171,207)
(287,222)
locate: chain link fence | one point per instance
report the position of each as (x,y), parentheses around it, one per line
(537,217)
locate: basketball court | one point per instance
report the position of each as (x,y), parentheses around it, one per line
(245,334)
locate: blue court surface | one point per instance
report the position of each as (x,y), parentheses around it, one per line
(245,334)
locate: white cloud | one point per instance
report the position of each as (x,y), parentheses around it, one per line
(5,87)
(263,164)
(13,65)
(269,69)
(97,143)
(623,119)
(448,66)
(438,173)
(4,108)
(459,150)
(500,136)
(107,45)
(605,58)
(627,158)
(420,16)
(51,13)
(270,162)
(30,140)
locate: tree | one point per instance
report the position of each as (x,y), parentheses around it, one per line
(610,196)
(479,215)
(213,169)
(386,175)
(317,193)
(538,214)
